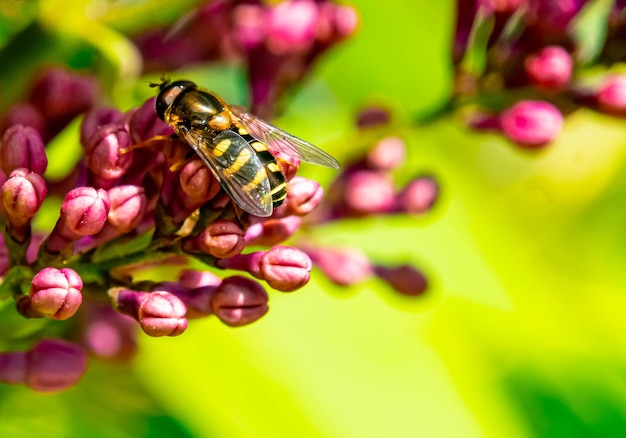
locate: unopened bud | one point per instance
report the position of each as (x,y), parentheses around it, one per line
(239,301)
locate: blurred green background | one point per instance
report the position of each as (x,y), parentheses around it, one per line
(521,333)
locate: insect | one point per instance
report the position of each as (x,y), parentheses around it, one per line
(235,144)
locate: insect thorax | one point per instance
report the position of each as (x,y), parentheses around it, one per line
(193,109)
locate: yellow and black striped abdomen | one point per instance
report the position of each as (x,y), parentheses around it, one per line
(271,168)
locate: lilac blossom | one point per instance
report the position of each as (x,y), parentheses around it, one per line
(139,201)
(51,365)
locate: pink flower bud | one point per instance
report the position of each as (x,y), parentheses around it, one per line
(109,334)
(342,266)
(145,124)
(369,192)
(239,301)
(272,231)
(84,211)
(387,154)
(551,67)
(404,279)
(419,195)
(531,123)
(128,205)
(291,26)
(303,196)
(51,365)
(104,152)
(612,95)
(55,293)
(22,196)
(159,313)
(96,118)
(197,181)
(285,269)
(223,238)
(22,147)
(372,117)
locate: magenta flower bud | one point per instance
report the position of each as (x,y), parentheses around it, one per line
(550,68)
(84,211)
(404,279)
(23,113)
(272,231)
(159,313)
(372,117)
(22,147)
(303,196)
(127,207)
(419,195)
(109,334)
(223,238)
(612,95)
(285,269)
(239,301)
(369,192)
(531,123)
(97,118)
(342,266)
(105,154)
(387,154)
(291,26)
(51,365)
(22,196)
(55,293)
(144,123)
(197,181)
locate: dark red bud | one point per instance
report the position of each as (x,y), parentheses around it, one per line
(239,301)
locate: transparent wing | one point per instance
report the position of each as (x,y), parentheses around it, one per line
(282,141)
(252,196)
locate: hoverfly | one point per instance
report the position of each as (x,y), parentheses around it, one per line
(235,144)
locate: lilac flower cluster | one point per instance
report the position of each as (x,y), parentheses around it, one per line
(137,201)
(366,188)
(276,42)
(140,202)
(525,66)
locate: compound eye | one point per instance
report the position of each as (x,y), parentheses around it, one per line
(169,92)
(165,99)
(169,95)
